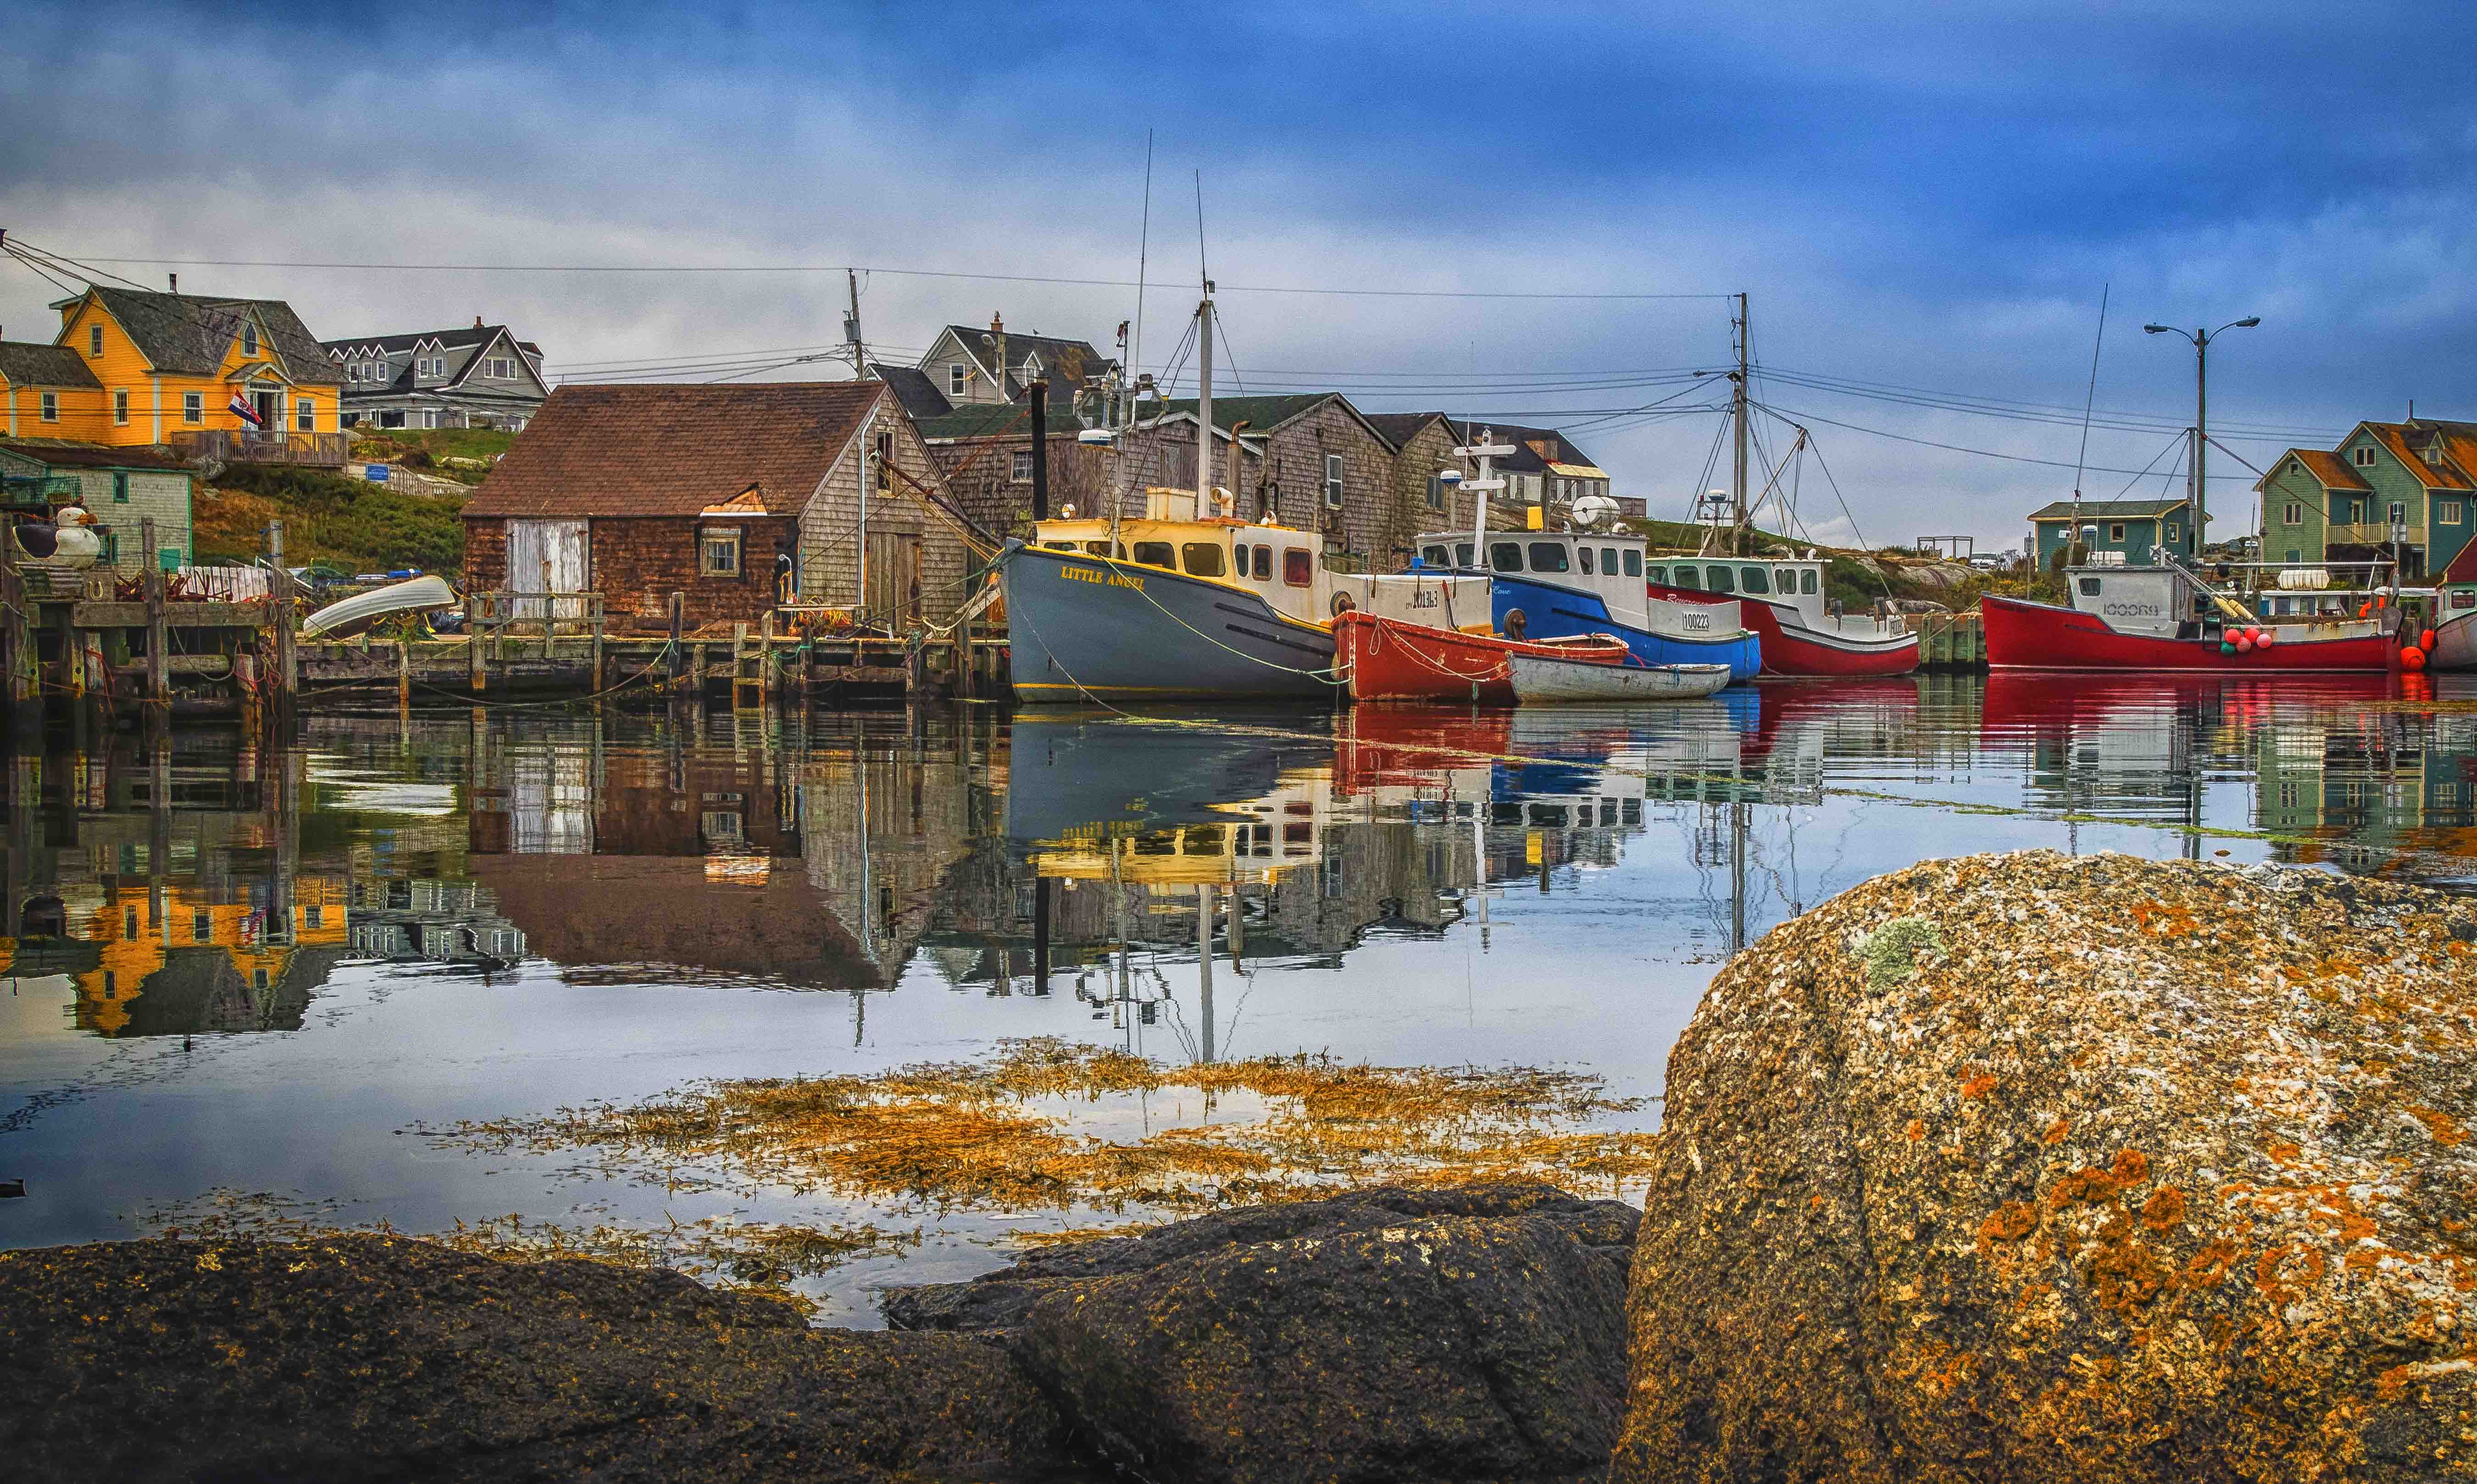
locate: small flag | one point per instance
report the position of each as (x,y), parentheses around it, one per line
(241,408)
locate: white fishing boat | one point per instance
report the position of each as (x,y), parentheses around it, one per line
(342,620)
(1541,678)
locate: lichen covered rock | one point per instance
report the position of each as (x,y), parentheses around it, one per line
(2021,1168)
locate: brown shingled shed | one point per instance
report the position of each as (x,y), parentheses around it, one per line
(736,496)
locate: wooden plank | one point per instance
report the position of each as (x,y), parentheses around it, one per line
(179,615)
(180,664)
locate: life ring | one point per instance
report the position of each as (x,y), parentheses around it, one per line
(1515,623)
(1342,604)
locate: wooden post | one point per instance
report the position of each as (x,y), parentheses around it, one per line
(25,692)
(595,602)
(679,656)
(477,666)
(403,674)
(159,634)
(765,686)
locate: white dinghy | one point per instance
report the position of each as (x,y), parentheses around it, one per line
(342,620)
(1541,678)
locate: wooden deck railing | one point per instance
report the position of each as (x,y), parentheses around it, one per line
(320,450)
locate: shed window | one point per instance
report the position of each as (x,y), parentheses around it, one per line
(2292,513)
(120,405)
(719,553)
(1333,480)
(95,339)
(1299,568)
(51,409)
(1806,581)
(1203,558)
(1548,556)
(1756,579)
(120,490)
(1153,554)
(2116,532)
(1021,473)
(1505,556)
(193,407)
(2170,535)
(305,413)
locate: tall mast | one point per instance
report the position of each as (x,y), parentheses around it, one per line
(1738,487)
(1204,405)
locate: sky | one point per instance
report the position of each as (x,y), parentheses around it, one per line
(1530,214)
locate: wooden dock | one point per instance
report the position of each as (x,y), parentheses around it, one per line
(1951,641)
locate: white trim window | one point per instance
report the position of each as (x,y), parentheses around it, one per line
(93,341)
(429,418)
(193,407)
(50,410)
(2399,512)
(2450,513)
(718,551)
(120,406)
(305,414)
(502,368)
(2363,456)
(1333,481)
(248,339)
(2292,513)
(1021,472)
(959,377)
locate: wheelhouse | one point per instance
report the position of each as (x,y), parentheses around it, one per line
(1607,563)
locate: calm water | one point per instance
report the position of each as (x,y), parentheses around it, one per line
(314,950)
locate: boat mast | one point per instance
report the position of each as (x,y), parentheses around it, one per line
(1738,404)
(1204,405)
(1485,449)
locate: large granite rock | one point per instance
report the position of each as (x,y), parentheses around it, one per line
(2021,1168)
(1385,1335)
(369,1358)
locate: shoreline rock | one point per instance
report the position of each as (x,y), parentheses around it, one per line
(2022,1168)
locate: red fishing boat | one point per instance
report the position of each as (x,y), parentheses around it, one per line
(2160,620)
(1782,601)
(1390,660)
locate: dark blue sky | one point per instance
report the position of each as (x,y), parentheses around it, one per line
(1925,197)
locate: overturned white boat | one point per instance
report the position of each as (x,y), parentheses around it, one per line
(349,616)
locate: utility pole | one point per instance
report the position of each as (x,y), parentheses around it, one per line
(1039,390)
(851,330)
(1204,403)
(1738,487)
(1485,449)
(2200,340)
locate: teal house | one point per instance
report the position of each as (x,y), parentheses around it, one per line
(2389,493)
(2128,527)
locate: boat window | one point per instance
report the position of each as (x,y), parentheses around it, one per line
(1239,561)
(1548,555)
(1784,578)
(1721,580)
(1102,549)
(1806,581)
(1658,575)
(2090,587)
(1264,564)
(1609,560)
(1551,816)
(1634,563)
(1462,555)
(1757,580)
(1505,556)
(1299,568)
(1436,556)
(1203,558)
(1687,580)
(1061,546)
(1587,561)
(1153,554)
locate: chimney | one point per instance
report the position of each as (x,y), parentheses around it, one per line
(997,334)
(1237,470)
(477,321)
(176,282)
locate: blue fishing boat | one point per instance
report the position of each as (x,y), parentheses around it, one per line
(1556,584)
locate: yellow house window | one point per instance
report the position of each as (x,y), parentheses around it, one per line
(51,412)
(304,413)
(193,407)
(120,405)
(93,340)
(249,339)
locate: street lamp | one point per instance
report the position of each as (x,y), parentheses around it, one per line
(2200,340)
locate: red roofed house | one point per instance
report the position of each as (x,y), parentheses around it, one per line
(736,496)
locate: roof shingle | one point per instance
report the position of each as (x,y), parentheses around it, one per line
(2107,510)
(26,364)
(188,334)
(674,448)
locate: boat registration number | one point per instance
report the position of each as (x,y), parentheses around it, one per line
(1104,579)
(1697,620)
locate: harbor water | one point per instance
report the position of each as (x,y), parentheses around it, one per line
(299,976)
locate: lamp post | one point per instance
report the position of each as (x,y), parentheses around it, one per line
(2200,340)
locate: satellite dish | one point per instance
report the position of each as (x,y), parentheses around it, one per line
(1594,510)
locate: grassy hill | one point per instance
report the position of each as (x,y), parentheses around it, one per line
(328,518)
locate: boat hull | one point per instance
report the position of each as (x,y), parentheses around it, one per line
(1083,628)
(1388,659)
(1560,613)
(1791,647)
(1541,678)
(2023,635)
(2455,644)
(342,620)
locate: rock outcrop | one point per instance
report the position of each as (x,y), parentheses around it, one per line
(1387,1334)
(2022,1168)
(376,1358)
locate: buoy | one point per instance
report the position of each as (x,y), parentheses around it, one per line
(2425,640)
(2225,647)
(2267,636)
(2245,646)
(2411,660)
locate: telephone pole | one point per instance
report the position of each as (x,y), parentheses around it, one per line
(2200,340)
(851,330)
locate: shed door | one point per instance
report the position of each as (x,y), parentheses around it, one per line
(548,557)
(893,599)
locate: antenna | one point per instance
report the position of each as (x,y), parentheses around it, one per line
(2089,400)
(1203,273)
(1143,253)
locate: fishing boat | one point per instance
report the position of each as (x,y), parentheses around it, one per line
(2167,619)
(349,616)
(1387,659)
(1552,585)
(1183,604)
(2455,643)
(1780,598)
(1546,678)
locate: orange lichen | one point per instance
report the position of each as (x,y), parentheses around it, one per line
(2165,1210)
(2011,1223)
(2442,1126)
(1977,1085)
(2056,1132)
(2209,1267)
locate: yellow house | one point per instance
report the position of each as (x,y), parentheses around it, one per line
(178,369)
(47,392)
(224,958)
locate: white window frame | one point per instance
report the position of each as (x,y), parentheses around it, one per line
(49,408)
(2399,513)
(2116,532)
(305,414)
(958,379)
(429,418)
(248,339)
(120,406)
(1020,471)
(502,368)
(1333,481)
(2450,513)
(93,341)
(2292,513)
(193,407)
(2363,456)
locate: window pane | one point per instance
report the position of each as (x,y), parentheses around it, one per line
(1264,564)
(1203,558)
(1462,555)
(1634,563)
(1587,561)
(1436,556)
(1609,560)
(1806,581)
(1505,556)
(1548,555)
(1153,554)
(1688,579)
(1658,575)
(1757,580)
(1298,568)
(2090,587)
(1721,580)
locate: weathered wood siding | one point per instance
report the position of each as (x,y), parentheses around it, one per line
(1292,481)
(830,522)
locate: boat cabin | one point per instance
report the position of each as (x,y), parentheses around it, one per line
(1609,563)
(2161,602)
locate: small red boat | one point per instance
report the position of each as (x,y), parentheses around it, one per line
(1390,660)
(1782,601)
(2155,620)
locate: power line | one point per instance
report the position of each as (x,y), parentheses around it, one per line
(1983,452)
